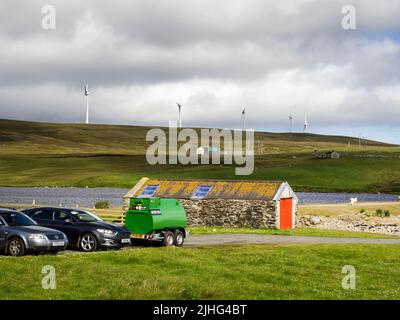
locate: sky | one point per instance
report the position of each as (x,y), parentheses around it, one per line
(215,57)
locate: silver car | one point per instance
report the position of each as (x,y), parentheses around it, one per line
(20,235)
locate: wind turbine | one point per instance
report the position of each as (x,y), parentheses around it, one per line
(305,124)
(180,115)
(291,121)
(87,103)
(244,118)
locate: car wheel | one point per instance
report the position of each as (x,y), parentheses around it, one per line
(178,238)
(168,239)
(88,242)
(16,247)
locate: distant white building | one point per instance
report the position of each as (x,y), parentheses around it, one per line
(335,155)
(206,150)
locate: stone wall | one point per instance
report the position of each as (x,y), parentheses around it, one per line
(230,213)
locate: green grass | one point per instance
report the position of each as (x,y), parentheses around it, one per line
(228,272)
(43,154)
(304,174)
(22,137)
(313,232)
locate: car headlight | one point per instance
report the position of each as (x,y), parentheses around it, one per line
(37,236)
(107,232)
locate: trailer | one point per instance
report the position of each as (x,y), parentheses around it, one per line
(157,219)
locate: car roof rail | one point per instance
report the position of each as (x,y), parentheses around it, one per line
(8,208)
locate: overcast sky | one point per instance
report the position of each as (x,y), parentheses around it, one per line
(213,56)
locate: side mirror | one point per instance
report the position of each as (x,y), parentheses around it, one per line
(69,221)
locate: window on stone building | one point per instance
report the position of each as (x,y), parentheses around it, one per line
(201,192)
(149,191)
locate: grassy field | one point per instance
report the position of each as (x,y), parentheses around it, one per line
(42,154)
(232,272)
(369,175)
(369,208)
(22,137)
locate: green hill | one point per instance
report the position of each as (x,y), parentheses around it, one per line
(58,138)
(49,154)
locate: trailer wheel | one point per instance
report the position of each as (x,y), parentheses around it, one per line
(168,239)
(178,238)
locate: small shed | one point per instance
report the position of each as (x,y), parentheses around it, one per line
(228,203)
(334,155)
(206,150)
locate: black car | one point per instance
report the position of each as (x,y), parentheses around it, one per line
(19,235)
(84,230)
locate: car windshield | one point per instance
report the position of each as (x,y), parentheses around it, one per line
(84,216)
(17,219)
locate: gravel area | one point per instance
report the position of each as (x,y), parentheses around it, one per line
(226,239)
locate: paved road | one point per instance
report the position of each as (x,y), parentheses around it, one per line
(225,239)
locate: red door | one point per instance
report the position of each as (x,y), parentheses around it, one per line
(286,208)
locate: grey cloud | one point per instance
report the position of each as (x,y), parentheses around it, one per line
(216,56)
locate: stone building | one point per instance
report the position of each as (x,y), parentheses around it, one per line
(228,203)
(326,155)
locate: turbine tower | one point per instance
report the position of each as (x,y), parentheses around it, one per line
(87,103)
(305,124)
(244,119)
(180,115)
(291,122)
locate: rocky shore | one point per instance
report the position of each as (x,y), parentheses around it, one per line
(358,222)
